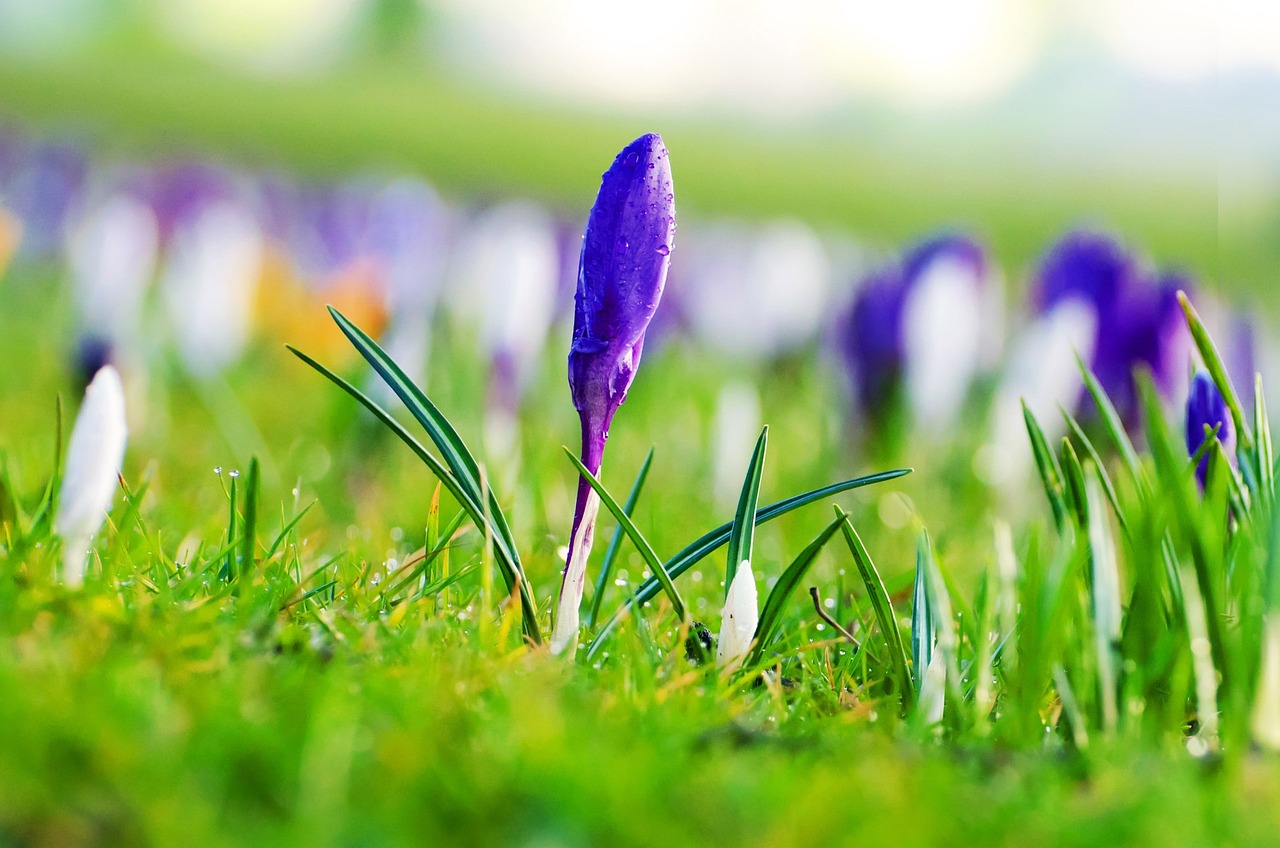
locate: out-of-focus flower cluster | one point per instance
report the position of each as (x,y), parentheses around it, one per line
(198,259)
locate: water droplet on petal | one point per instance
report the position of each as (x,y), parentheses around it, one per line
(663,249)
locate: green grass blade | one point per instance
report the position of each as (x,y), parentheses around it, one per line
(1050,472)
(923,627)
(707,544)
(250,533)
(742,534)
(646,550)
(509,565)
(456,455)
(615,544)
(1107,606)
(1073,476)
(1092,453)
(1217,370)
(284,531)
(443,541)
(771,612)
(1112,424)
(883,607)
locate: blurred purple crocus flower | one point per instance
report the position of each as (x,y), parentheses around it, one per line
(621,274)
(1138,320)
(915,333)
(1207,417)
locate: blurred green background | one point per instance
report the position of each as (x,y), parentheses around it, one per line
(1015,119)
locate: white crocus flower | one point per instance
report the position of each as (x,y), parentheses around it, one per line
(210,281)
(94,457)
(1042,372)
(741,615)
(113,258)
(943,332)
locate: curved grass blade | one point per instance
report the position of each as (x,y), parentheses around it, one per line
(646,550)
(742,534)
(901,673)
(510,566)
(1217,370)
(1050,472)
(708,543)
(771,613)
(1073,475)
(456,455)
(1112,424)
(615,544)
(1103,477)
(445,539)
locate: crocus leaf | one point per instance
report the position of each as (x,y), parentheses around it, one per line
(742,534)
(1217,370)
(1050,471)
(883,606)
(771,612)
(1112,424)
(508,563)
(637,538)
(615,543)
(707,544)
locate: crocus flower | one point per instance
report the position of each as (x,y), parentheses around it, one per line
(1207,414)
(94,456)
(621,274)
(210,278)
(112,254)
(740,618)
(756,292)
(1136,315)
(915,333)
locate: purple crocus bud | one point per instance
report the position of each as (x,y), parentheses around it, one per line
(623,268)
(1207,414)
(1088,266)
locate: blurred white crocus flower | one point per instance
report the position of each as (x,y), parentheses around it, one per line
(1043,372)
(758,292)
(94,457)
(740,617)
(210,279)
(734,432)
(512,273)
(112,254)
(943,330)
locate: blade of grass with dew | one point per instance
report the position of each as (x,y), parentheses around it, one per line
(647,553)
(511,569)
(615,544)
(788,581)
(883,607)
(742,534)
(708,543)
(1047,464)
(443,541)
